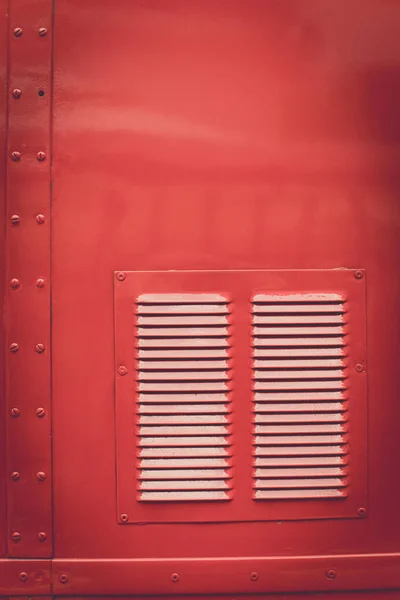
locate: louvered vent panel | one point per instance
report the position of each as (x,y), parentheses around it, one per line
(300,396)
(183,375)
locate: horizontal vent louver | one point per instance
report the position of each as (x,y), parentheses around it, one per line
(300,396)
(183,390)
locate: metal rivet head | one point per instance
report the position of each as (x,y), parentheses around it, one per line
(14,347)
(15,476)
(124,517)
(17,32)
(15,156)
(175,577)
(360,368)
(15,412)
(41,156)
(40,412)
(359,274)
(254,576)
(122,370)
(63,578)
(121,276)
(40,219)
(42,31)
(15,219)
(14,284)
(23,576)
(42,536)
(16,93)
(362,512)
(15,536)
(40,283)
(331,574)
(41,475)
(39,348)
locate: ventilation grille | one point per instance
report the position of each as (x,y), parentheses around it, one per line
(183,378)
(300,396)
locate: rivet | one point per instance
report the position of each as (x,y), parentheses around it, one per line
(16,93)
(15,536)
(15,156)
(14,347)
(41,156)
(254,576)
(39,283)
(331,574)
(121,276)
(23,576)
(360,368)
(40,475)
(359,274)
(15,219)
(42,536)
(362,512)
(40,412)
(15,412)
(63,578)
(17,32)
(122,370)
(15,475)
(124,517)
(14,283)
(175,577)
(42,31)
(40,219)
(39,348)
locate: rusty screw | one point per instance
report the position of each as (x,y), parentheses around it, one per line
(40,283)
(40,412)
(331,574)
(17,32)
(14,283)
(362,512)
(15,156)
(15,476)
(15,536)
(23,576)
(39,348)
(360,368)
(42,536)
(16,93)
(41,476)
(122,370)
(15,220)
(359,274)
(15,412)
(14,347)
(254,576)
(124,517)
(40,219)
(175,577)
(41,156)
(63,578)
(42,31)
(121,276)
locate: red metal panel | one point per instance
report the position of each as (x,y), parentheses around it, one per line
(28,270)
(240,575)
(25,577)
(393,595)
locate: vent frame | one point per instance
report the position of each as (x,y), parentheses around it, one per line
(239,287)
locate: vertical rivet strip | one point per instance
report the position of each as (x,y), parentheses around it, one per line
(29,502)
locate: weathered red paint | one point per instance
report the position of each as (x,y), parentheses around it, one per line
(204,136)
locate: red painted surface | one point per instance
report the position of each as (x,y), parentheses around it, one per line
(199,135)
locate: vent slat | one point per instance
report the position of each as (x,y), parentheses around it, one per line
(300,385)
(184,417)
